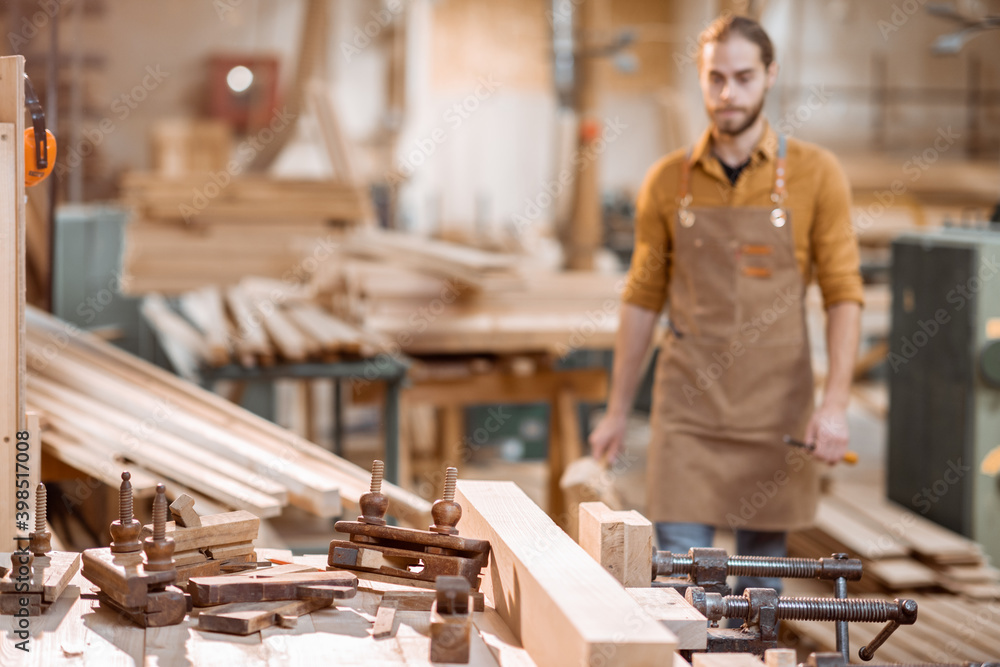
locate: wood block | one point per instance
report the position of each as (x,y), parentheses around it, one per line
(209,591)
(242,618)
(50,575)
(215,529)
(535,580)
(416,597)
(385,620)
(450,636)
(182,509)
(780,657)
(621,541)
(668,607)
(725,660)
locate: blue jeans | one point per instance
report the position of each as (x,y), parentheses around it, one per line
(681,537)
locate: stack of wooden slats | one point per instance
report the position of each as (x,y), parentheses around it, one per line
(904,555)
(192,230)
(107,410)
(256,322)
(481,269)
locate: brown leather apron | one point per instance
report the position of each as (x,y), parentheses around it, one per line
(734,373)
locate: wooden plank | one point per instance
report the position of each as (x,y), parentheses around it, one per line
(12,281)
(901,573)
(855,534)
(671,609)
(725,660)
(244,618)
(621,541)
(385,620)
(534,581)
(215,529)
(587,384)
(204,307)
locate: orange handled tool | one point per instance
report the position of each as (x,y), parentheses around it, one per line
(850,458)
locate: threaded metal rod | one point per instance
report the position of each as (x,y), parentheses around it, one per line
(378,472)
(125,510)
(41,507)
(450,480)
(818,609)
(160,514)
(753,566)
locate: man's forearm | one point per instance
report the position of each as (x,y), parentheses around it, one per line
(635,332)
(843,324)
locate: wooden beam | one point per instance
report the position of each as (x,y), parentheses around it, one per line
(671,609)
(622,542)
(12,283)
(561,604)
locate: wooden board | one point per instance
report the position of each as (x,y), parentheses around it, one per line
(669,607)
(12,282)
(535,579)
(215,529)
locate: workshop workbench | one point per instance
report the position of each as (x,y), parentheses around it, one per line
(77,631)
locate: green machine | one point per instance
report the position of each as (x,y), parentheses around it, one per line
(944,380)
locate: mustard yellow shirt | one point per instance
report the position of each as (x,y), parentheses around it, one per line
(818,199)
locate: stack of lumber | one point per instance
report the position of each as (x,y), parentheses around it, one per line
(196,230)
(106,410)
(480,269)
(904,555)
(256,322)
(243,199)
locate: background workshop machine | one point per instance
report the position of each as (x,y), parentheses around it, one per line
(944,380)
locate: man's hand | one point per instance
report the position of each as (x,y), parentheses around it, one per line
(828,432)
(608,437)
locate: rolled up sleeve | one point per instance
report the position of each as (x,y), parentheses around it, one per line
(834,244)
(646,285)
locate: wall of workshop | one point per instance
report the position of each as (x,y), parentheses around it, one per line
(494,158)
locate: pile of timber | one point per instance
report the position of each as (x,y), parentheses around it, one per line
(180,238)
(256,322)
(466,265)
(904,555)
(106,409)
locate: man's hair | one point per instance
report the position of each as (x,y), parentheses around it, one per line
(729,24)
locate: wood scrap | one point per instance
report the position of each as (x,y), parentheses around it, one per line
(244,618)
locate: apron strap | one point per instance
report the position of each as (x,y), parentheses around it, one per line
(778,192)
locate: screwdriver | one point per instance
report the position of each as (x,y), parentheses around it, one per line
(850,458)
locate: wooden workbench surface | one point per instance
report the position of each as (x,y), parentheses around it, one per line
(77,631)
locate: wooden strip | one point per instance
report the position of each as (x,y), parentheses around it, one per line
(204,307)
(668,607)
(244,618)
(385,620)
(289,457)
(184,345)
(12,281)
(534,581)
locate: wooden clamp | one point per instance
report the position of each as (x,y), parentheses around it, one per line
(140,588)
(407,554)
(38,575)
(451,621)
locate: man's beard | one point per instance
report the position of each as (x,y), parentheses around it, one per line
(751,119)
